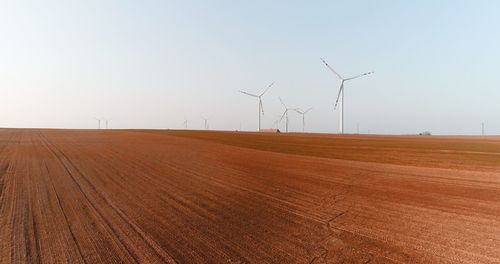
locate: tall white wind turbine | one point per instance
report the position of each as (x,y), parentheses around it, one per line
(303,113)
(285,113)
(341,92)
(261,107)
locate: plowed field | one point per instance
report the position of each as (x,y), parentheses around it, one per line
(109,196)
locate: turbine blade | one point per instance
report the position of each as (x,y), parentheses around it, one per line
(261,106)
(357,76)
(338,96)
(331,69)
(266,89)
(282,102)
(249,94)
(298,111)
(284,113)
(307,110)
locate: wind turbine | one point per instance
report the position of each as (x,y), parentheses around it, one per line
(285,113)
(206,122)
(106,122)
(341,92)
(185,123)
(98,122)
(261,107)
(303,117)
(277,122)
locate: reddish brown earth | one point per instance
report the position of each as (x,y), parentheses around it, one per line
(81,196)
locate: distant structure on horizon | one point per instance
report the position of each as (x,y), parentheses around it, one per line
(285,114)
(205,122)
(270,130)
(98,122)
(107,122)
(303,113)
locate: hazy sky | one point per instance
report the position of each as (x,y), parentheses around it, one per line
(150,64)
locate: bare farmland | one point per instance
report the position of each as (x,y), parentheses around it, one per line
(81,196)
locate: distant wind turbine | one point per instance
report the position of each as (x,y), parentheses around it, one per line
(261,107)
(303,117)
(206,122)
(277,124)
(185,123)
(285,113)
(98,122)
(107,122)
(341,92)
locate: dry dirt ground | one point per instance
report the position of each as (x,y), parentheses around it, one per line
(108,196)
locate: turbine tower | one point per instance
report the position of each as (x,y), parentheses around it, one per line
(107,122)
(341,92)
(185,123)
(303,117)
(277,124)
(98,122)
(261,107)
(206,122)
(285,113)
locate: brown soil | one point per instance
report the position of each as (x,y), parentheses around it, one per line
(83,196)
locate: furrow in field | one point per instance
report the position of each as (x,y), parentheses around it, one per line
(118,226)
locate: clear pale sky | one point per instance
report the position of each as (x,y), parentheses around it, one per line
(150,64)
